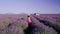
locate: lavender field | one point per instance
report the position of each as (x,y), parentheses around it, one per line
(18,24)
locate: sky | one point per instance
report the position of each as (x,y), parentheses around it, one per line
(30,6)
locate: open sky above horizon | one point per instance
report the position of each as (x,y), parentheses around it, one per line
(30,6)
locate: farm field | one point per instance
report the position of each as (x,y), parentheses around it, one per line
(41,24)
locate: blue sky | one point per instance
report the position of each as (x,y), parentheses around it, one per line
(30,6)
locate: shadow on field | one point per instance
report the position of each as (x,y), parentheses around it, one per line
(33,29)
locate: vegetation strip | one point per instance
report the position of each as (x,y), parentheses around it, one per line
(48,23)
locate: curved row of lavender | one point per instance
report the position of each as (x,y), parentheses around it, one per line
(50,20)
(41,25)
